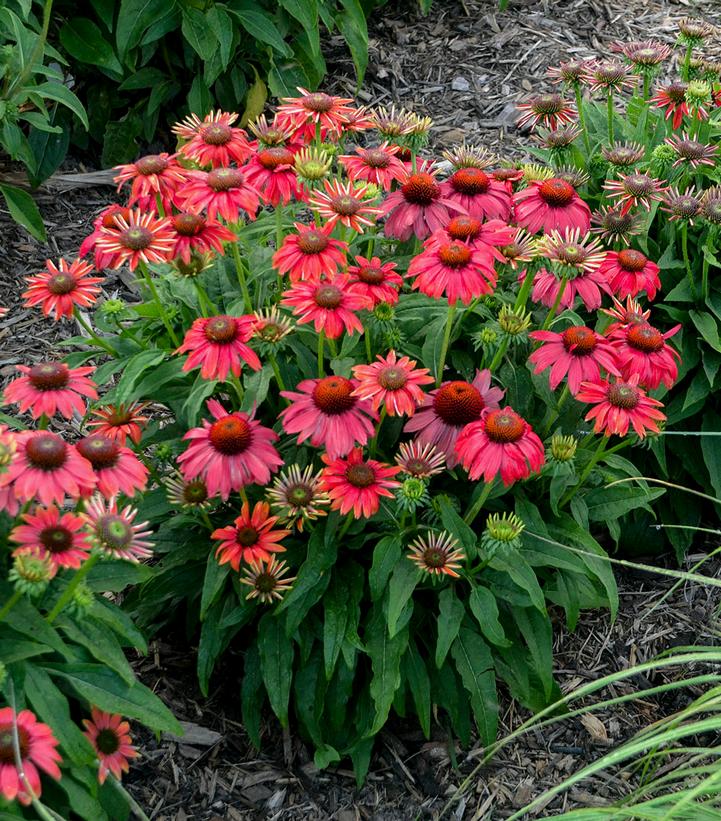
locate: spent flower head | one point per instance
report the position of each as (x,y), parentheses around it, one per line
(571,73)
(549,110)
(420,460)
(559,138)
(609,76)
(691,153)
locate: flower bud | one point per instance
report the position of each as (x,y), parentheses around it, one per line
(503,530)
(31,572)
(563,448)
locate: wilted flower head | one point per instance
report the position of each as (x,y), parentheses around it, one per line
(419,459)
(271,326)
(623,154)
(271,135)
(469,156)
(573,176)
(436,554)
(572,251)
(692,31)
(188,495)
(392,122)
(503,531)
(635,189)
(522,249)
(549,110)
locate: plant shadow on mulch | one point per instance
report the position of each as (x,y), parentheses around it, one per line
(466,65)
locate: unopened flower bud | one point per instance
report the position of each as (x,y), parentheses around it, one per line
(698,93)
(31,573)
(112,307)
(312,164)
(563,448)
(412,494)
(81,602)
(514,322)
(384,312)
(503,530)
(199,262)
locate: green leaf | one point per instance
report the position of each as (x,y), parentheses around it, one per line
(485,610)
(522,574)
(213,583)
(84,41)
(404,579)
(261,26)
(276,664)
(198,32)
(607,504)
(335,620)
(13,649)
(200,100)
(147,77)
(101,643)
(134,371)
(306,13)
(451,613)
(475,665)
(252,695)
(82,803)
(134,17)
(454,524)
(62,95)
(386,554)
(115,576)
(119,142)
(385,652)
(48,149)
(707,327)
(536,630)
(222,27)
(202,389)
(711,450)
(111,616)
(419,684)
(352,25)
(25,619)
(255,101)
(23,210)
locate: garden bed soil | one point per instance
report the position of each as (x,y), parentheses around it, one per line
(465,64)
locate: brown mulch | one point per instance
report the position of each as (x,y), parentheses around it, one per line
(466,65)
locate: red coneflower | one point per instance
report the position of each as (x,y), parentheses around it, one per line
(213,141)
(548,205)
(342,202)
(357,119)
(437,554)
(629,272)
(114,532)
(375,280)
(634,189)
(448,409)
(111,740)
(194,232)
(117,469)
(59,289)
(139,238)
(267,579)
(329,304)
(357,484)
(379,165)
(272,172)
(47,468)
(51,387)
(118,422)
(154,174)
(217,346)
(620,405)
(53,534)
(314,109)
(310,253)
(626,314)
(642,352)
(37,750)
(578,352)
(224,191)
(478,194)
(107,220)
(392,382)
(500,442)
(550,110)
(672,97)
(251,537)
(326,412)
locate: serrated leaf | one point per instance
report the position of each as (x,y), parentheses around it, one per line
(475,666)
(276,663)
(450,615)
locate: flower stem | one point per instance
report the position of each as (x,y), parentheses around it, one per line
(240,271)
(686,260)
(582,119)
(704,277)
(374,443)
(496,361)
(524,290)
(609,105)
(278,225)
(556,303)
(565,393)
(476,507)
(206,306)
(445,344)
(595,459)
(94,338)
(369,350)
(685,68)
(10,603)
(276,371)
(79,576)
(161,309)
(321,339)
(130,801)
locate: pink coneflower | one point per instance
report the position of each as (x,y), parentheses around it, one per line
(56,535)
(326,412)
(420,460)
(392,382)
(59,289)
(549,110)
(379,166)
(500,442)
(609,76)
(271,171)
(691,153)
(613,225)
(310,253)
(233,451)
(620,405)
(578,352)
(111,740)
(139,238)
(213,141)
(672,97)
(453,269)
(629,272)
(588,285)
(115,532)
(642,352)
(682,205)
(251,537)
(571,72)
(118,422)
(437,554)
(296,496)
(342,202)
(194,232)
(47,468)
(509,176)
(448,409)
(418,208)
(478,194)
(117,469)
(375,280)
(626,314)
(357,484)
(329,304)
(217,346)
(51,387)
(107,220)
(644,55)
(634,189)
(314,109)
(267,579)
(548,205)
(37,749)
(571,251)
(154,174)
(224,191)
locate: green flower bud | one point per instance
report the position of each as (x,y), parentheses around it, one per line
(112,307)
(503,530)
(563,448)
(31,573)
(82,600)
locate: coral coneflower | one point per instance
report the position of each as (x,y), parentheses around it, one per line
(224,191)
(620,405)
(297,497)
(357,484)
(549,110)
(36,744)
(634,189)
(118,422)
(52,533)
(111,740)
(196,233)
(51,387)
(272,172)
(578,352)
(326,412)
(691,153)
(478,193)
(420,460)
(213,141)
(310,253)
(314,110)
(500,443)
(268,580)
(250,538)
(233,451)
(139,238)
(629,272)
(375,280)
(392,382)
(641,351)
(548,205)
(107,220)
(116,468)
(329,304)
(627,314)
(672,98)
(448,409)
(115,532)
(217,346)
(47,468)
(379,165)
(154,174)
(343,202)
(437,554)
(59,289)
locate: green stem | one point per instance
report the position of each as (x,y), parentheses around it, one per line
(556,303)
(10,603)
(582,118)
(686,67)
(237,385)
(369,350)
(524,290)
(206,306)
(94,338)
(278,225)
(646,86)
(704,278)
(597,456)
(206,520)
(374,442)
(276,371)
(686,260)
(556,413)
(79,576)
(161,308)
(476,507)
(445,344)
(609,108)
(159,205)
(130,801)
(240,271)
(321,339)
(346,525)
(502,348)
